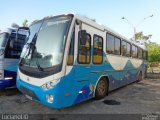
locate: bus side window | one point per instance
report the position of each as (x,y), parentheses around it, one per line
(97,49)
(128,54)
(124,48)
(71,51)
(140,53)
(110,44)
(144,55)
(84,51)
(117,46)
(134,51)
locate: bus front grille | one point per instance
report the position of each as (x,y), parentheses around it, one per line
(28,93)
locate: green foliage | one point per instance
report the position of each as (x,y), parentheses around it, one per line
(141,36)
(25,23)
(153,52)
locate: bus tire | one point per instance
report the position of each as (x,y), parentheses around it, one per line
(101,89)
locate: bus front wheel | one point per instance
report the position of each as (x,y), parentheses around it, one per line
(101,89)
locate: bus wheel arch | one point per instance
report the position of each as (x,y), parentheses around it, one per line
(140,76)
(102,80)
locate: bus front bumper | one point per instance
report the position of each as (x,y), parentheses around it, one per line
(36,93)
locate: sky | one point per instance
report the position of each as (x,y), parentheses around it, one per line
(106,12)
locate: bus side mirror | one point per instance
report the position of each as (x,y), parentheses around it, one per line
(22,28)
(82,37)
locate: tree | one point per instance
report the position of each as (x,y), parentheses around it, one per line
(153,55)
(140,36)
(153,52)
(25,23)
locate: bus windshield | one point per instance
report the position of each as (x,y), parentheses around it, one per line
(49,38)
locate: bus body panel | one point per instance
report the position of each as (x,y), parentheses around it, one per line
(9,68)
(9,64)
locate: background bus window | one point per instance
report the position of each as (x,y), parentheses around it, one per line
(117,46)
(128,54)
(140,53)
(14,48)
(110,44)
(84,51)
(97,49)
(124,48)
(134,51)
(71,51)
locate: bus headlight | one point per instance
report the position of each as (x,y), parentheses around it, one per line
(50,98)
(50,85)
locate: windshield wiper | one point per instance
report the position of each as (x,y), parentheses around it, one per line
(32,46)
(38,65)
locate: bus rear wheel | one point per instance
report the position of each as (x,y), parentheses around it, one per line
(101,89)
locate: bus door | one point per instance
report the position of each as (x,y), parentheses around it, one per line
(83,64)
(79,63)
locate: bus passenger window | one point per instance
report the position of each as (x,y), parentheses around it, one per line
(110,44)
(71,51)
(84,51)
(144,55)
(128,54)
(140,53)
(117,46)
(97,49)
(124,48)
(134,51)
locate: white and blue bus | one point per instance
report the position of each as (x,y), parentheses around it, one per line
(10,50)
(70,58)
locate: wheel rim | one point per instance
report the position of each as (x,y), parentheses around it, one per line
(101,87)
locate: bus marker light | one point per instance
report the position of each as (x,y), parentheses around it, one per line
(8,78)
(67,94)
(82,91)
